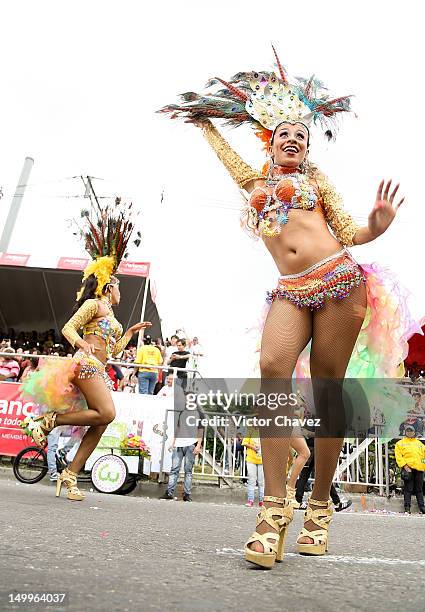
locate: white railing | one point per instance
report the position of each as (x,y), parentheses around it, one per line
(362,462)
(126,364)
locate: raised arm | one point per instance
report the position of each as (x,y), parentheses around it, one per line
(125,338)
(342,224)
(241,172)
(122,343)
(347,231)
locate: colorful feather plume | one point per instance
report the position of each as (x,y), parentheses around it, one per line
(255,98)
(105,232)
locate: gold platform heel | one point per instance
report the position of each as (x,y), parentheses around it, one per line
(69,479)
(38,427)
(321,515)
(273,543)
(290,496)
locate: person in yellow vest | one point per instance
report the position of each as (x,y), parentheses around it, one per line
(410,457)
(254,467)
(148,354)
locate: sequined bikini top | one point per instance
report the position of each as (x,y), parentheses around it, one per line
(282,191)
(107,327)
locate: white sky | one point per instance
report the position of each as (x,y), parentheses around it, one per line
(80,82)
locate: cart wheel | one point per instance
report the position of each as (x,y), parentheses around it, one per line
(109,474)
(129,486)
(30,465)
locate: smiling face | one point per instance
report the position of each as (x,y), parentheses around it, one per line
(289,145)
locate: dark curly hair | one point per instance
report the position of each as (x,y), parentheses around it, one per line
(89,292)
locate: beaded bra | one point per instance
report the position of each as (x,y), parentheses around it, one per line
(283,190)
(107,327)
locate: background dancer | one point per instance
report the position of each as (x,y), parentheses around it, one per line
(78,392)
(323,295)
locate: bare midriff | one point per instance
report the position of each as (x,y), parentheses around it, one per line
(97,341)
(100,346)
(302,242)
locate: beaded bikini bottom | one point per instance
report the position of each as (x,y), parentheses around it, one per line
(90,367)
(334,277)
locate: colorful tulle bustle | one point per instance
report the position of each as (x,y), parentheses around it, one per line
(380,349)
(381,346)
(50,387)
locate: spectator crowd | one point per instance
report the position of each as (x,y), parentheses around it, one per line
(181,354)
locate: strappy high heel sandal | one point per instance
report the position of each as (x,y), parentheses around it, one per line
(290,496)
(69,479)
(273,542)
(38,427)
(321,515)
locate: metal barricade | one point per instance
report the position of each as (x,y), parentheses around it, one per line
(362,462)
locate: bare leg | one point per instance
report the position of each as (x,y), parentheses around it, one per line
(335,331)
(286,333)
(101,411)
(87,446)
(303,455)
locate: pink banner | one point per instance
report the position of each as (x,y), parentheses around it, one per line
(128,268)
(134,268)
(72,263)
(12,411)
(13,259)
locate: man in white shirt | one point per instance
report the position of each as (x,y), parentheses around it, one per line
(187,443)
(168,389)
(197,352)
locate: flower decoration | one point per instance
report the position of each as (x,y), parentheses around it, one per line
(134,445)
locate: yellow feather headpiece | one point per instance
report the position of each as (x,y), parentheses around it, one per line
(102,268)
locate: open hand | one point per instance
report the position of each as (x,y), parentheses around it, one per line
(86,347)
(384,210)
(135,328)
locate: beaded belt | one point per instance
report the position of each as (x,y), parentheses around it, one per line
(333,277)
(91,367)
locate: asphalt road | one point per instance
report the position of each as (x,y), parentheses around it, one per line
(114,553)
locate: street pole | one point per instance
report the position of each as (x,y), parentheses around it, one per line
(142,314)
(16,205)
(387,471)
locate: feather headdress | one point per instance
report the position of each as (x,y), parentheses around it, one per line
(264,100)
(105,232)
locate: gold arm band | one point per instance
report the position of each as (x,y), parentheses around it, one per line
(240,172)
(341,222)
(122,343)
(86,312)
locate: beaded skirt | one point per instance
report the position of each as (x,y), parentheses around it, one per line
(91,367)
(334,277)
(381,346)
